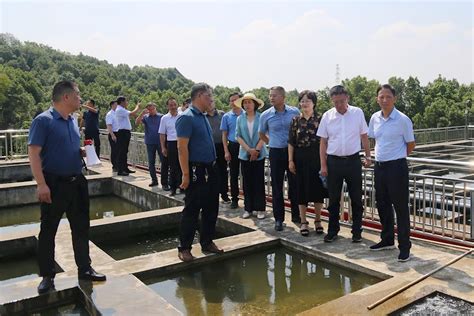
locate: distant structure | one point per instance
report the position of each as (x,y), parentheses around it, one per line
(338,75)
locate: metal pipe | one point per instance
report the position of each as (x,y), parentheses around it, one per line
(403,288)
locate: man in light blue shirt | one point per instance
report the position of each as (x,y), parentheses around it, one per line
(274,130)
(394,141)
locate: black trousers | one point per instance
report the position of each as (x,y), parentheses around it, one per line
(123,140)
(164,171)
(234,166)
(254,185)
(347,169)
(278,166)
(201,196)
(70,196)
(113,151)
(95,136)
(222,169)
(391,192)
(173,161)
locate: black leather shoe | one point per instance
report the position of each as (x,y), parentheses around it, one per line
(173,193)
(278,226)
(166,187)
(91,275)
(153,184)
(47,284)
(130,171)
(122,173)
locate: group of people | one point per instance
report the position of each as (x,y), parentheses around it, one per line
(199,143)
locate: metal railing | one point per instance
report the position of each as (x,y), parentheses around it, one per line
(440,205)
(443,134)
(13,144)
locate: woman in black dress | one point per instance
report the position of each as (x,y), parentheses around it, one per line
(303,160)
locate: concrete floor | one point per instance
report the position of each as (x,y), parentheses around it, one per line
(124,294)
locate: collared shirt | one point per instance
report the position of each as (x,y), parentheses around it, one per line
(110,120)
(228,124)
(343,130)
(91,121)
(167,126)
(391,135)
(277,125)
(193,124)
(122,118)
(303,131)
(152,125)
(215,122)
(59,141)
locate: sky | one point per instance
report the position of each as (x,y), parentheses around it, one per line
(295,44)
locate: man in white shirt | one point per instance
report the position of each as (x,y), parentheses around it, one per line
(169,143)
(342,129)
(122,119)
(112,131)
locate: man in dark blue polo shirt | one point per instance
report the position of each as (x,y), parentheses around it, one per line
(56,163)
(90,119)
(197,156)
(151,119)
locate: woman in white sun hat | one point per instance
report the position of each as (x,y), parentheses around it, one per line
(252,155)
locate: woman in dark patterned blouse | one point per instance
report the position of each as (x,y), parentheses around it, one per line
(303,160)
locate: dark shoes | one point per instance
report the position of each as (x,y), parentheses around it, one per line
(166,187)
(404,255)
(211,248)
(153,184)
(296,220)
(91,275)
(130,171)
(46,285)
(330,237)
(122,173)
(173,193)
(382,246)
(278,226)
(356,237)
(225,199)
(234,204)
(185,255)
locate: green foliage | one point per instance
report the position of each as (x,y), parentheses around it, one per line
(29,70)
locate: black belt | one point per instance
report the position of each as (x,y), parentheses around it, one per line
(385,163)
(202,164)
(356,155)
(62,178)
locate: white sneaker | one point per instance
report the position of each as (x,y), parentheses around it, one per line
(260,214)
(254,213)
(246,214)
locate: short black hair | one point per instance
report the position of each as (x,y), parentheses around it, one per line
(61,88)
(279,89)
(338,90)
(112,102)
(235,93)
(388,87)
(169,99)
(310,95)
(121,99)
(92,101)
(199,88)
